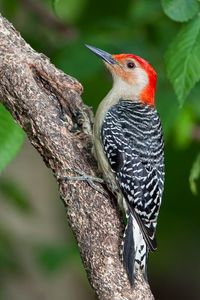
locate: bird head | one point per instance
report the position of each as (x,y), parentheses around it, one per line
(134,78)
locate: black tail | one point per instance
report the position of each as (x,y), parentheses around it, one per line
(135,250)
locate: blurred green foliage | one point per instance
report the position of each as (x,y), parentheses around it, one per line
(154,30)
(70,10)
(52,257)
(15,195)
(8,255)
(195,174)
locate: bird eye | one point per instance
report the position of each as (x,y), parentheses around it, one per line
(130,65)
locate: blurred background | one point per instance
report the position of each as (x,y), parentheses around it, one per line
(38,255)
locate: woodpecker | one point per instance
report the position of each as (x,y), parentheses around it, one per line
(128,145)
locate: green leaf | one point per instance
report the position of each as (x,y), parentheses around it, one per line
(195,175)
(183,60)
(69,10)
(11,137)
(180,10)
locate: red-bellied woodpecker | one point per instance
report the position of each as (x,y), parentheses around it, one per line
(128,145)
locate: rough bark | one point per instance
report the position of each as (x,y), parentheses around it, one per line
(47,104)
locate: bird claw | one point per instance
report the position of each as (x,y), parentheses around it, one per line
(89,178)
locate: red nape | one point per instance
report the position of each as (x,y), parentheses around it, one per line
(147,95)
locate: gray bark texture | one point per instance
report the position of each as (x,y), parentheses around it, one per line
(47,105)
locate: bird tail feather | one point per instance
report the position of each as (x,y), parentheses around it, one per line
(134,249)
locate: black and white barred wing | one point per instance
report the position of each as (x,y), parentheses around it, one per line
(138,181)
(140,187)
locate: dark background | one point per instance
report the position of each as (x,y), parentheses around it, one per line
(38,255)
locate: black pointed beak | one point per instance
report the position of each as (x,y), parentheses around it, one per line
(103,54)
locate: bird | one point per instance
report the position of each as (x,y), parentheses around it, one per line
(129,149)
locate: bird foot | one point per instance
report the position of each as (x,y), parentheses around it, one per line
(90,180)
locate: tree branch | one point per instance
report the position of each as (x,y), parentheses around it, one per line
(47,104)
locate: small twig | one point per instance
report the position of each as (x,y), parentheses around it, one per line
(50,20)
(196,133)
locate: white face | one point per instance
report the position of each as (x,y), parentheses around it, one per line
(129,79)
